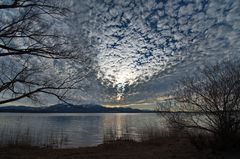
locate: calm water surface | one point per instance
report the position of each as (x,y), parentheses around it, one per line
(81,129)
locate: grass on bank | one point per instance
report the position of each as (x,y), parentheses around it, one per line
(29,138)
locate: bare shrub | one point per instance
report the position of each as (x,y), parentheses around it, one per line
(208,105)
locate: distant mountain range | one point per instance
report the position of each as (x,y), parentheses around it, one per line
(64,108)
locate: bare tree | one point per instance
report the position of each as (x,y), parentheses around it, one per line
(209,102)
(36,55)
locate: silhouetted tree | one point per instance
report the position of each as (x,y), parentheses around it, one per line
(36,55)
(213,97)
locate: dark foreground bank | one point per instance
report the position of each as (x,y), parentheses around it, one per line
(164,148)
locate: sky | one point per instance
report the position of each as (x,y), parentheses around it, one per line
(140,48)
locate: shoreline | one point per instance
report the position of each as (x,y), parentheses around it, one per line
(162,148)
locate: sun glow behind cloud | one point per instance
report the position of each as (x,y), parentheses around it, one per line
(122,72)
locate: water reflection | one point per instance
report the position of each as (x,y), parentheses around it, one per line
(81,129)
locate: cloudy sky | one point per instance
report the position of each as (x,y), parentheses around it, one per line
(142,47)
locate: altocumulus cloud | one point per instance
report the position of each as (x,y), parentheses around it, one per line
(144,46)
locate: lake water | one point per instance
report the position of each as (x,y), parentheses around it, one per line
(80,129)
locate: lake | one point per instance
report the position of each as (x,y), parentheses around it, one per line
(79,129)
